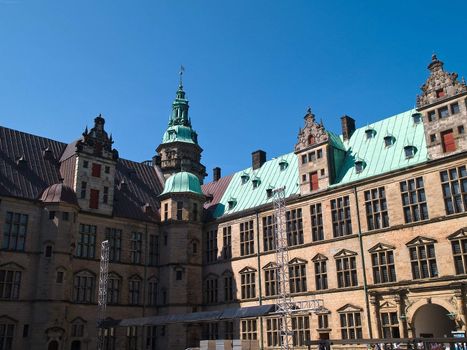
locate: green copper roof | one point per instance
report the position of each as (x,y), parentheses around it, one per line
(377,159)
(180,133)
(376,156)
(269,175)
(182,182)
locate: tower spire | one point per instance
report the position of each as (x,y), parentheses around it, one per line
(180,82)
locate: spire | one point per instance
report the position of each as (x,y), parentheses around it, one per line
(180,105)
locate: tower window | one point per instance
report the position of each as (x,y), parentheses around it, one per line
(59,278)
(178,276)
(460,129)
(432,137)
(85,164)
(84,185)
(304,159)
(455,108)
(51,215)
(105,197)
(107,169)
(431,116)
(443,112)
(319,153)
(166,211)
(65,216)
(96,170)
(311,156)
(179,210)
(48,251)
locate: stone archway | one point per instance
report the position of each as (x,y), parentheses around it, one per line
(432,321)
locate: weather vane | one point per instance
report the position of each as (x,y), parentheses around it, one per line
(182,69)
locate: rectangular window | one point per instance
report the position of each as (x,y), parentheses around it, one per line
(195,212)
(297,278)
(228,329)
(136,247)
(94,199)
(351,325)
(249,329)
(132,338)
(85,164)
(323,321)
(65,216)
(114,236)
(423,261)
(300,330)
(341,219)
(321,275)
(314,183)
(134,291)
(247,240)
(443,112)
(77,330)
(113,290)
(390,325)
(7,333)
(317,230)
(384,270)
(153,250)
(210,331)
(14,231)
(454,186)
(107,169)
(319,153)
(431,116)
(211,290)
(248,283)
(294,227)
(51,215)
(376,208)
(83,289)
(460,129)
(10,282)
(59,278)
(346,272)
(179,210)
(432,137)
(166,211)
(84,186)
(414,200)
(86,247)
(227,242)
(96,170)
(455,108)
(228,288)
(311,156)
(459,252)
(273,331)
(211,246)
(448,141)
(109,338)
(269,242)
(271,281)
(152,293)
(105,197)
(304,159)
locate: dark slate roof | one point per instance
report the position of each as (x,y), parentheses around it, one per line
(215,189)
(29,180)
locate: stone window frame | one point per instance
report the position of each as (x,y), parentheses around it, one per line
(414,201)
(301,330)
(136,247)
(8,327)
(84,287)
(132,337)
(15,230)
(423,258)
(341,216)
(153,291)
(459,250)
(114,237)
(86,247)
(271,279)
(294,227)
(346,268)
(211,245)
(452,108)
(376,208)
(10,281)
(389,323)
(153,250)
(297,276)
(443,112)
(114,287)
(249,329)
(211,289)
(78,327)
(383,264)
(229,286)
(350,318)
(135,283)
(269,239)
(316,220)
(321,272)
(210,330)
(248,282)
(453,181)
(273,331)
(247,238)
(179,210)
(227,242)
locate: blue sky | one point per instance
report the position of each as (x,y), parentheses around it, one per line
(252,67)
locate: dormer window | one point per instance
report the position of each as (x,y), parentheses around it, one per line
(417,118)
(283,164)
(269,192)
(410,151)
(256,182)
(232,202)
(244,178)
(359,166)
(389,140)
(370,133)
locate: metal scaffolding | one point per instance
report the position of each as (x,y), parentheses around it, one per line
(102,296)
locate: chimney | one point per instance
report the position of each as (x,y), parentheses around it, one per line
(216,173)
(258,159)
(348,127)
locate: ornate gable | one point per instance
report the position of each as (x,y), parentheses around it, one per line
(440,84)
(380,247)
(420,240)
(96,141)
(462,233)
(312,133)
(344,252)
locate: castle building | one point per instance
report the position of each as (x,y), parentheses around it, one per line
(376,227)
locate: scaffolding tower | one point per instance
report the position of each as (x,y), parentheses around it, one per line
(102,296)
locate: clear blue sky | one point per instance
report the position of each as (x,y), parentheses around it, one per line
(252,67)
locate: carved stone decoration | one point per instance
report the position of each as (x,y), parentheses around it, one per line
(96,141)
(440,84)
(312,133)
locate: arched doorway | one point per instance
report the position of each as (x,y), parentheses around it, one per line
(75,345)
(432,321)
(53,345)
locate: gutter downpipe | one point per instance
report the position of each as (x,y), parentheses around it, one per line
(362,255)
(260,291)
